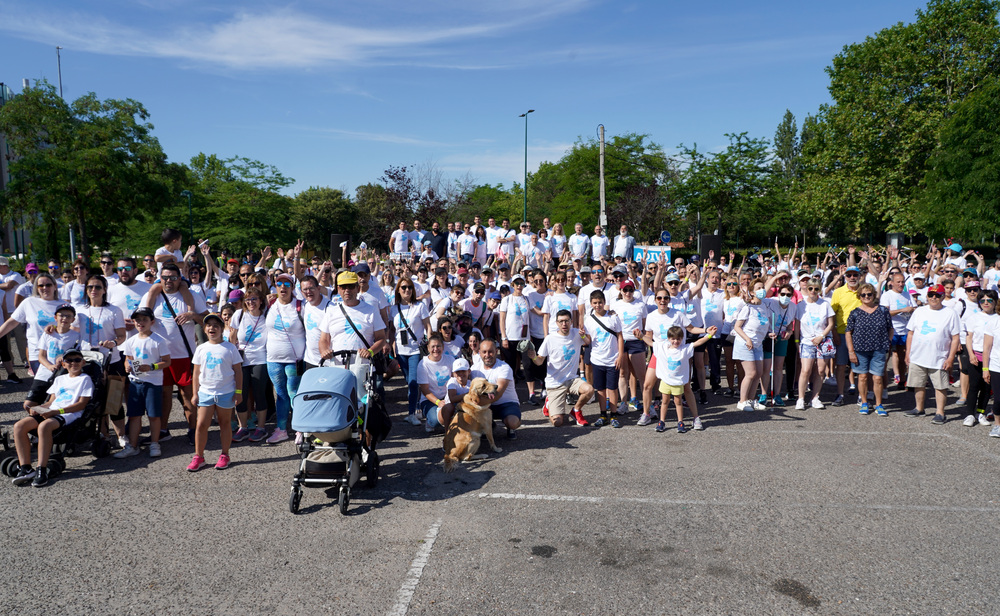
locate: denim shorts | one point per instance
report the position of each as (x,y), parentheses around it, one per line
(430,411)
(223,401)
(869,362)
(808,351)
(742,353)
(506,409)
(605,377)
(144,399)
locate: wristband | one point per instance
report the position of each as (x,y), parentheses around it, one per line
(62,411)
(439,403)
(239,391)
(154,366)
(709,336)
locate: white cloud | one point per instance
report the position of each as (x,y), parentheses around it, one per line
(505,165)
(281,38)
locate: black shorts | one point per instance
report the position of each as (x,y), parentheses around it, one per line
(692,338)
(963,360)
(39,391)
(635,346)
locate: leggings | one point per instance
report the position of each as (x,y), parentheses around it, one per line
(285,378)
(979,390)
(511,356)
(534,372)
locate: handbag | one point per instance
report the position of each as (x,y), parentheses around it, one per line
(406,324)
(827,348)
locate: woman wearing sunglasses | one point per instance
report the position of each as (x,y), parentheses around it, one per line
(75,291)
(782,312)
(868,336)
(814,322)
(248,331)
(102,326)
(412,323)
(731,305)
(752,326)
(286,346)
(978,325)
(632,311)
(37,311)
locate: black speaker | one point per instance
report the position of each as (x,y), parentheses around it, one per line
(336,252)
(713,243)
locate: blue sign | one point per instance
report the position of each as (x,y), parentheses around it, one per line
(651,254)
(665,237)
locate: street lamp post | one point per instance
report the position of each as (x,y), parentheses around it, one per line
(524,115)
(187,193)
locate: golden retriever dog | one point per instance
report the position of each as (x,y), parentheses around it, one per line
(473,418)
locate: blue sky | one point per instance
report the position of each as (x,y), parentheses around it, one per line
(332,93)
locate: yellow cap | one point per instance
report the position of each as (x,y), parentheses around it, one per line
(347,278)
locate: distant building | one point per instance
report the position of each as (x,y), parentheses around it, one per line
(13,237)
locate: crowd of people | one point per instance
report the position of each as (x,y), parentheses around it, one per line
(553,321)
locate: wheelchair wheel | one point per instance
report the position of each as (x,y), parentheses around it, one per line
(62,465)
(371,469)
(294,500)
(344,499)
(54,467)
(101,448)
(9,466)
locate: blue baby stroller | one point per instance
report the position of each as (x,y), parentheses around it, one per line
(331,410)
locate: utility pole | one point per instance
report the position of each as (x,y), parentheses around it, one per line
(604,212)
(72,232)
(525,116)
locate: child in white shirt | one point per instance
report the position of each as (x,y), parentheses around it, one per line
(217,383)
(673,368)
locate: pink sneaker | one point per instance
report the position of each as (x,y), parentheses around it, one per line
(223,462)
(277,436)
(197,463)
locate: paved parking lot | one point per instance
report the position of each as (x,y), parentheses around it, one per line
(789,512)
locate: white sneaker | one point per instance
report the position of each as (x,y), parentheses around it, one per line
(860,401)
(697,424)
(412,420)
(154,450)
(969,421)
(983,421)
(800,405)
(816,404)
(759,406)
(645,420)
(127,452)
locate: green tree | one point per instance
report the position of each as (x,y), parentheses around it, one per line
(320,212)
(962,195)
(90,163)
(891,93)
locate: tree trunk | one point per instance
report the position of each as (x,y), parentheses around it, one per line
(84,247)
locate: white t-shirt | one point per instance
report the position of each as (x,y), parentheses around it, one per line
(556,302)
(979,325)
(993,329)
(459,389)
(660,323)
(535,300)
(492,237)
(286,333)
(163,250)
(691,307)
(127,298)
(414,314)
(217,366)
(563,353)
(467,244)
(631,315)
(932,331)
(558,244)
(712,306)
(400,241)
(599,246)
(251,335)
(603,345)
(313,318)
(37,313)
(170,329)
(435,375)
(342,336)
(578,244)
(97,324)
(898,301)
(453,347)
(583,299)
(500,371)
(673,366)
(74,293)
(515,309)
(147,351)
(8,296)
(757,323)
(55,346)
(812,318)
(69,389)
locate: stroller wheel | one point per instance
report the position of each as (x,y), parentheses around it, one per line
(101,448)
(62,465)
(294,500)
(7,466)
(54,467)
(371,469)
(344,499)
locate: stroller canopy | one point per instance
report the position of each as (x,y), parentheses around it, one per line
(327,401)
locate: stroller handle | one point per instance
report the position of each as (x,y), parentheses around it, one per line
(345,355)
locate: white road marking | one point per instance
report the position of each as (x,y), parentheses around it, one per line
(598,500)
(409,586)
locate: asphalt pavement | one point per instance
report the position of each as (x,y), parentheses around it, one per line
(767,512)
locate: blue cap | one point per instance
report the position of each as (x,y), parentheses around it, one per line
(956,247)
(496,295)
(673,278)
(362,268)
(852,269)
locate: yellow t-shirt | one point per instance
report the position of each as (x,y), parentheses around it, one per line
(843,302)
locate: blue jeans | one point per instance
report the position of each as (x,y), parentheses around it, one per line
(409,365)
(285,378)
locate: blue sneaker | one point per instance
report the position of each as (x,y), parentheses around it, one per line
(880,411)
(636,404)
(778,401)
(864,410)
(681,428)
(661,426)
(762,400)
(615,423)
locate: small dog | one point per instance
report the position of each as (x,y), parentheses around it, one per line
(473,418)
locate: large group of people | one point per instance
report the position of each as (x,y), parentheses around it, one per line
(553,321)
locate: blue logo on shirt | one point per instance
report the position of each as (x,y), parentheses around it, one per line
(568,352)
(310,323)
(212,362)
(45,319)
(442,378)
(673,364)
(132,303)
(927,329)
(251,335)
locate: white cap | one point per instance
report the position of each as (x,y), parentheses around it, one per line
(460,364)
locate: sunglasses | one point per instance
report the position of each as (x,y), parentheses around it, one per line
(932,295)
(405,288)
(251,299)
(73,360)
(127,268)
(107,262)
(169,278)
(349,287)
(674,282)
(864,295)
(812,288)
(732,284)
(446,328)
(789,295)
(661,298)
(987,300)
(91,287)
(147,260)
(851,275)
(598,272)
(283,283)
(44,286)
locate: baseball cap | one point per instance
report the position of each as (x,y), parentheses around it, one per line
(487,270)
(496,295)
(971,284)
(460,364)
(970,270)
(461,270)
(235,295)
(347,278)
(695,258)
(517,278)
(215,317)
(504,266)
(585,269)
(4,261)
(73,352)
(476,264)
(627,284)
(31,267)
(66,307)
(620,269)
(956,247)
(143,311)
(672,278)
(287,277)
(236,261)
(936,288)
(920,275)
(852,269)
(362,268)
